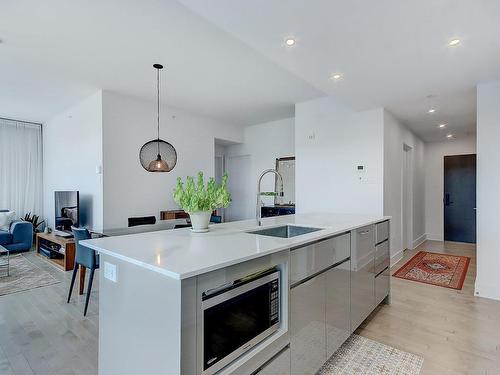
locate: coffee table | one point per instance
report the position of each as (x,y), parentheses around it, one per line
(4,261)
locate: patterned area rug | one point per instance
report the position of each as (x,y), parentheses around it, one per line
(444,270)
(24,275)
(362,356)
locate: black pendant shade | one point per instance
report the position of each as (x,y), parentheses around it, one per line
(158,155)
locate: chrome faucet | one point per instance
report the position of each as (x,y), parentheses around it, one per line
(259,202)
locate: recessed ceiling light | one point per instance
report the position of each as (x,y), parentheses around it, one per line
(450,136)
(454,42)
(432,110)
(442,126)
(336,77)
(290,42)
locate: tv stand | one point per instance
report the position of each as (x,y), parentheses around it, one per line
(61,250)
(63,234)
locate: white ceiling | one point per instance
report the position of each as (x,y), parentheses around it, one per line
(55,52)
(392,53)
(226,58)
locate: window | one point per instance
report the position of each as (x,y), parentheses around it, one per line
(20,167)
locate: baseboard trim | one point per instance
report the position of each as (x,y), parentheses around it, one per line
(490,291)
(419,241)
(435,237)
(397,257)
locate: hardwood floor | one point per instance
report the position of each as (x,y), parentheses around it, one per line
(41,334)
(454,331)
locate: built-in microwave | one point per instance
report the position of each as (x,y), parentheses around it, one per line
(237,316)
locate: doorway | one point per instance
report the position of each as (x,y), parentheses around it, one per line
(240,185)
(407,198)
(460,198)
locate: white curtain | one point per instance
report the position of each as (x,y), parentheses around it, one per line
(20,167)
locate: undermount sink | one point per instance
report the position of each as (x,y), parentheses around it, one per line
(285,231)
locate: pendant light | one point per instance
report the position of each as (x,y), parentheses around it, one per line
(158,155)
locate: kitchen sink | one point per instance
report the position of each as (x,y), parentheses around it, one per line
(285,231)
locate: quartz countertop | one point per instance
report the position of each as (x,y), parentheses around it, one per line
(180,253)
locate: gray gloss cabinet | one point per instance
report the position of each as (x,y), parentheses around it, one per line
(338,320)
(362,274)
(279,365)
(316,257)
(319,302)
(307,326)
(382,285)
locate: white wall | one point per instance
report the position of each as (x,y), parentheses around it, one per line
(128,123)
(434,180)
(488,183)
(72,148)
(395,136)
(331,140)
(263,143)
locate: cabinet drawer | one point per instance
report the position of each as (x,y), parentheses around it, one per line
(278,365)
(311,259)
(362,275)
(338,320)
(365,240)
(382,256)
(307,326)
(382,285)
(382,232)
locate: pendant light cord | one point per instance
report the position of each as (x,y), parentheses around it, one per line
(158,105)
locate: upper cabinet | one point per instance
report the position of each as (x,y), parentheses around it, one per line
(286,167)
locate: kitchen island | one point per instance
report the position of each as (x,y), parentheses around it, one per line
(170,300)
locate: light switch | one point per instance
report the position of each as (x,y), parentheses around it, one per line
(110,271)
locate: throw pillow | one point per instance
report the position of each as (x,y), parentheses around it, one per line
(6,218)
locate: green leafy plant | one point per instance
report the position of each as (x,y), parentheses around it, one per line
(194,197)
(33,219)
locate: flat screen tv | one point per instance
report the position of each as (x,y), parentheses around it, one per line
(67,210)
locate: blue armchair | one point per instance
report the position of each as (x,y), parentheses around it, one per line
(19,237)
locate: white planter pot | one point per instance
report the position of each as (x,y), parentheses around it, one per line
(200,221)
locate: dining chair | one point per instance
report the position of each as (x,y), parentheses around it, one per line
(85,257)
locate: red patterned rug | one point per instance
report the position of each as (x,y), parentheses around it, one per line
(436,269)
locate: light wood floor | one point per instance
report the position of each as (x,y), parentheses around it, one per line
(41,334)
(454,331)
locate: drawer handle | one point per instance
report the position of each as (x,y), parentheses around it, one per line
(310,277)
(364,232)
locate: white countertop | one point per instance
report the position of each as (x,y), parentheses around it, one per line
(181,254)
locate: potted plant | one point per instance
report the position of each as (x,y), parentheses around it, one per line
(200,200)
(35,221)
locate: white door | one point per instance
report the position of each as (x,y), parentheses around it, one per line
(240,186)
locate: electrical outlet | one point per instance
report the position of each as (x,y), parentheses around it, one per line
(110,271)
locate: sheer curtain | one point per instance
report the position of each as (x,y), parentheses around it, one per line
(20,167)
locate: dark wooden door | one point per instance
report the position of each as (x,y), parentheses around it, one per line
(460,198)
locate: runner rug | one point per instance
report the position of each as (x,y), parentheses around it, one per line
(436,269)
(362,356)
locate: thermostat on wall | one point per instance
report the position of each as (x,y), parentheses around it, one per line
(361,172)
